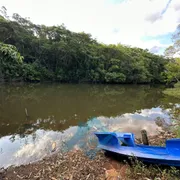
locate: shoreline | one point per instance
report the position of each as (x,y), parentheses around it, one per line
(75,165)
(173,92)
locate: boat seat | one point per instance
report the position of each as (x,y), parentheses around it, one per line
(126,138)
(112,139)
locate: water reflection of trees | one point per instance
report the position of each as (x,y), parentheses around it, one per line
(51,104)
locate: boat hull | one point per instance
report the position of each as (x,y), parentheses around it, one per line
(168,155)
(160,161)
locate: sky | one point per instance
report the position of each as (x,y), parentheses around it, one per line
(147,24)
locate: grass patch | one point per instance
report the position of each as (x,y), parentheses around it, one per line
(173,91)
(138,170)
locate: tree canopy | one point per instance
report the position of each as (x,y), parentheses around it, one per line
(10,62)
(173,70)
(173,66)
(175,48)
(53,53)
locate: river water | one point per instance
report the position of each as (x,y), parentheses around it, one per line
(34,116)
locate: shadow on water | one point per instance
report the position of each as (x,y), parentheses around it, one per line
(71,113)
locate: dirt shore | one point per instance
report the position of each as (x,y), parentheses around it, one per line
(75,165)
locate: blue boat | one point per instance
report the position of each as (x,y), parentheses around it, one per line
(124,144)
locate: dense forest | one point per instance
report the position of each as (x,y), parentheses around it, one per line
(30,52)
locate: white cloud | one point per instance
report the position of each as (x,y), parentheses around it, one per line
(168,23)
(177,55)
(134,19)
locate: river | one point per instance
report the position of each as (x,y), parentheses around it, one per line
(33,116)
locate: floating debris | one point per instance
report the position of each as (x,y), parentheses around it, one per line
(53,147)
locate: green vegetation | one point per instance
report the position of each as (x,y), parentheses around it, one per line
(53,53)
(173,91)
(173,75)
(138,170)
(173,70)
(11,62)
